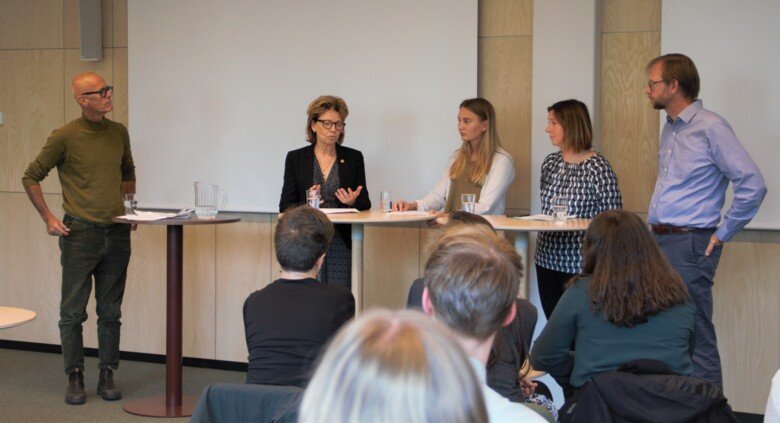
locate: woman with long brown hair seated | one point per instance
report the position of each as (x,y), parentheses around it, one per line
(627,304)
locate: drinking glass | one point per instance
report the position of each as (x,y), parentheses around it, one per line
(384,199)
(468,202)
(130,203)
(313,198)
(560,208)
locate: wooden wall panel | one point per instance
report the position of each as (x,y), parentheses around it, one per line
(243,266)
(31,100)
(199,307)
(505,80)
(120,23)
(276,268)
(74,66)
(30,272)
(144,305)
(72,36)
(746,299)
(121,112)
(631,15)
(30,24)
(629,125)
(390,264)
(502,18)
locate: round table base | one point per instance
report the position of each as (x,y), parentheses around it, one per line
(155,407)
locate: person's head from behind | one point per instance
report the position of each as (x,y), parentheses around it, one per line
(460,217)
(393,366)
(302,237)
(471,281)
(630,277)
(569,127)
(326,120)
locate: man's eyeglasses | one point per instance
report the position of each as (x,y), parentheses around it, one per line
(328,123)
(651,84)
(103,91)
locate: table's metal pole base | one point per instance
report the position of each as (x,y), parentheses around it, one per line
(155,407)
(173,403)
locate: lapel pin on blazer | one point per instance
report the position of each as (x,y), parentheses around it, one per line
(341,161)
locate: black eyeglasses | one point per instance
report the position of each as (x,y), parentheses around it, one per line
(103,91)
(651,84)
(328,123)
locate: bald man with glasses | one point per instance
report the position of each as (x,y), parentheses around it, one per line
(95,167)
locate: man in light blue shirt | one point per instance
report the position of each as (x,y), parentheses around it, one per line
(699,154)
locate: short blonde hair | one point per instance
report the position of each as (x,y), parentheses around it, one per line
(321,105)
(393,366)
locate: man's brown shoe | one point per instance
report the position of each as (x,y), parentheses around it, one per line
(106,388)
(75,392)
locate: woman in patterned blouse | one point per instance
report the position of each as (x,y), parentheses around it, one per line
(583,176)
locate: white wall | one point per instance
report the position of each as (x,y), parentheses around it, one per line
(734,47)
(218,90)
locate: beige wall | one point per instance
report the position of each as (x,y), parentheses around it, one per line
(223,264)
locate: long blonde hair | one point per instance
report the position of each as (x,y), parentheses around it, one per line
(488,147)
(393,366)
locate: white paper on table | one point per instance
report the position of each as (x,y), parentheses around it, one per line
(544,217)
(339,211)
(408,213)
(146,216)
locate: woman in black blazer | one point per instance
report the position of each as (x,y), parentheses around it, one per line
(339,173)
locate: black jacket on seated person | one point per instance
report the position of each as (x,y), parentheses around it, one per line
(287,324)
(647,391)
(299,176)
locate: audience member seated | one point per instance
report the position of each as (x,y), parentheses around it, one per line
(393,366)
(628,304)
(289,321)
(472,278)
(510,348)
(647,391)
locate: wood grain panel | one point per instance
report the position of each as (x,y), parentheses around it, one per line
(631,15)
(121,109)
(390,264)
(427,237)
(629,125)
(144,305)
(746,316)
(71,31)
(30,24)
(31,100)
(120,23)
(30,272)
(505,80)
(243,266)
(501,18)
(199,285)
(276,268)
(74,66)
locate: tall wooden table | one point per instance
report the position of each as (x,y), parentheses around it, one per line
(358,220)
(522,227)
(173,403)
